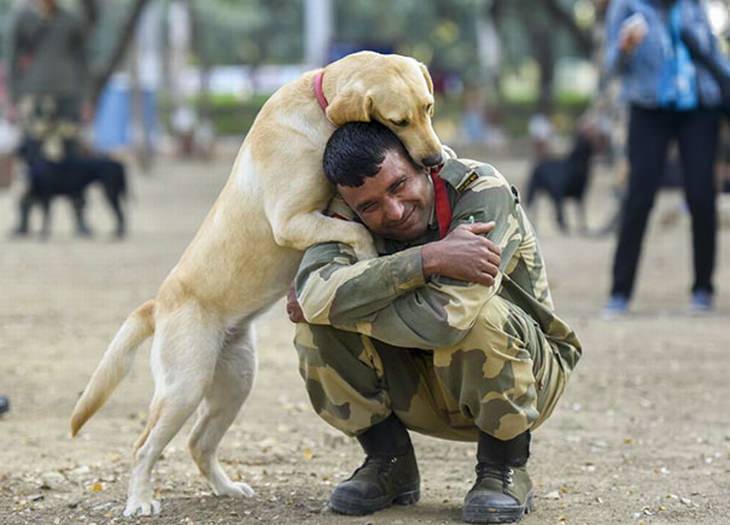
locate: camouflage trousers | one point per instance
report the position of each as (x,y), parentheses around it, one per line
(51,126)
(503,378)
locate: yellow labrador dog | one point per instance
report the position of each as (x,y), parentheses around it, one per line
(245,255)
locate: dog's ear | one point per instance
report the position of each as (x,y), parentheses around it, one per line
(352,105)
(427,76)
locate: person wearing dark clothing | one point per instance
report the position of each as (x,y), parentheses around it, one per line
(671,98)
(48,81)
(48,77)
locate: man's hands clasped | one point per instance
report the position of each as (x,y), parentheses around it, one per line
(293,310)
(464,254)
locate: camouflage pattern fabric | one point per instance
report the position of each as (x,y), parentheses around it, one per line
(448,357)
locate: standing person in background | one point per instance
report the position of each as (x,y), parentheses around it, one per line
(48,80)
(670,98)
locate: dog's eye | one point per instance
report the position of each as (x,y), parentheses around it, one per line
(401,123)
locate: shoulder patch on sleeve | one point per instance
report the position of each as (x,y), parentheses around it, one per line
(461,173)
(453,172)
(467,181)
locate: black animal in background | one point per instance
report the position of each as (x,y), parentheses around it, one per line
(565,178)
(71,177)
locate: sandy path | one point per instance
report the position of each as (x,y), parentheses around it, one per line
(642,434)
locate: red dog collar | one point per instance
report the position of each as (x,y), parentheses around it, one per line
(318,91)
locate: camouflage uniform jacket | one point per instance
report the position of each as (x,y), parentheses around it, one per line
(387,298)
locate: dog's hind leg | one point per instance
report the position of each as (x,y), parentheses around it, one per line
(183,360)
(46,225)
(24,208)
(79,204)
(560,214)
(113,197)
(232,382)
(533,187)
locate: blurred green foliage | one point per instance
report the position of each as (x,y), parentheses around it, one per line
(251,31)
(233,116)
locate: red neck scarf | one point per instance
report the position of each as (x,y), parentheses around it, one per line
(441,201)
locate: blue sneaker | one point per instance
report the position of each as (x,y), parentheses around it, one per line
(702,301)
(617,306)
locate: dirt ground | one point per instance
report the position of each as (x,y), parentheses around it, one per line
(642,434)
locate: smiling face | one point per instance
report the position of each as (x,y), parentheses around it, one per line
(396,203)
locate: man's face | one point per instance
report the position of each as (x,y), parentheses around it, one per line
(396,203)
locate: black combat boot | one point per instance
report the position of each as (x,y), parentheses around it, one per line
(503,490)
(389,474)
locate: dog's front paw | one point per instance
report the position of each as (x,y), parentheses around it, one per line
(235,489)
(365,250)
(141,507)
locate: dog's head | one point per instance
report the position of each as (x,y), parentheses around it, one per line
(594,130)
(394,90)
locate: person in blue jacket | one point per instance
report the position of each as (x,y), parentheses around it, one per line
(672,96)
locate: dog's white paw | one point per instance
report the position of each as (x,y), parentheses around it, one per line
(141,507)
(235,489)
(365,250)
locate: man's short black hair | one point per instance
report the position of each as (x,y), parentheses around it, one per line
(357,150)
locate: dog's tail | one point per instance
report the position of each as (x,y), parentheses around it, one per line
(114,364)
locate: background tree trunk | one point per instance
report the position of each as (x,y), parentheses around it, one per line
(125,38)
(90,9)
(583,39)
(544,53)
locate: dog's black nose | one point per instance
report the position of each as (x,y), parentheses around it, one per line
(433,160)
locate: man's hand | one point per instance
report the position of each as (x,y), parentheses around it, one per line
(293,310)
(632,32)
(628,42)
(464,254)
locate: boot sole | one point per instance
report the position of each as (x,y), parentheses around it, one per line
(486,514)
(358,507)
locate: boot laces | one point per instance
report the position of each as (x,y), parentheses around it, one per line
(501,473)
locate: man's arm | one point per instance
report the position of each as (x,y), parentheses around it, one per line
(615,58)
(390,298)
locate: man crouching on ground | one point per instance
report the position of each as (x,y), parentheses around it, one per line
(438,335)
